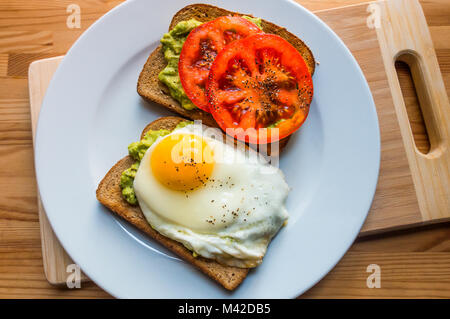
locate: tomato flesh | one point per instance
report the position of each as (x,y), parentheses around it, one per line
(260,82)
(201,48)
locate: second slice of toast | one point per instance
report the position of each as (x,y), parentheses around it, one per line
(109,194)
(153,90)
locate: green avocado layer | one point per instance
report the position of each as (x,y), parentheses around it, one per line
(172,43)
(256,21)
(137,151)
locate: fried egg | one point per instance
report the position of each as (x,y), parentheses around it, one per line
(220,201)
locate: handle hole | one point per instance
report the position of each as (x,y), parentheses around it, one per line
(417,101)
(413,108)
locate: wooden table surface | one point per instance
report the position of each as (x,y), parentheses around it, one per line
(414,263)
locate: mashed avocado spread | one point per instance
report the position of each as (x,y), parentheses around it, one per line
(172,43)
(137,151)
(256,21)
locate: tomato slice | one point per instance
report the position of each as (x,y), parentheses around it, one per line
(260,82)
(200,49)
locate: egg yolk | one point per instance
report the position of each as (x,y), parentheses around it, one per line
(182,162)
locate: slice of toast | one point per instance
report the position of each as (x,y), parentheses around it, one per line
(153,90)
(109,194)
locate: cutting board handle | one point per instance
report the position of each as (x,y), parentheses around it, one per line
(404,36)
(422,70)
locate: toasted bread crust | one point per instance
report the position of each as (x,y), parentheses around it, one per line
(109,194)
(153,90)
(205,12)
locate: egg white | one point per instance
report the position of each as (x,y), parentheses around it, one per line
(232,217)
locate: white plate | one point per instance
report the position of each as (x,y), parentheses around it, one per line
(92,112)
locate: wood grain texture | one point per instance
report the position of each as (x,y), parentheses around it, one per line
(21,270)
(403,275)
(55,259)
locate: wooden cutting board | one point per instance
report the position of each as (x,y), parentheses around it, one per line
(413,188)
